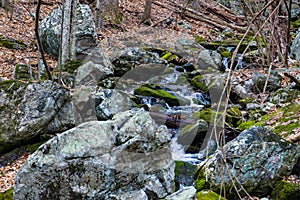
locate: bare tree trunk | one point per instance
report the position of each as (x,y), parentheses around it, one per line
(99,14)
(37,34)
(68,31)
(146,18)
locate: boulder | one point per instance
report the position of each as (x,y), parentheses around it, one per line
(110,102)
(186,193)
(295,50)
(30,110)
(111,159)
(86,34)
(253,162)
(132,57)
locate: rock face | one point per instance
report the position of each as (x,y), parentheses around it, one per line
(295,50)
(256,160)
(102,160)
(28,111)
(50,32)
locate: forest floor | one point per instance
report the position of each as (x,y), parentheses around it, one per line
(21,26)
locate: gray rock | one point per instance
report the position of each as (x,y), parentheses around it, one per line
(187,193)
(28,111)
(50,32)
(259,81)
(284,95)
(111,102)
(256,159)
(241,91)
(295,50)
(192,136)
(132,57)
(91,73)
(101,160)
(208,58)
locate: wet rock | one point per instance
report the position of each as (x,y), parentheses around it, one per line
(257,158)
(86,34)
(208,58)
(192,136)
(101,160)
(30,110)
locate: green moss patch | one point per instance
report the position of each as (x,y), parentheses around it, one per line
(7,195)
(209,195)
(207,114)
(70,66)
(286,191)
(152,90)
(12,43)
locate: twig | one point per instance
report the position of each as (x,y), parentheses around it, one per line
(37,14)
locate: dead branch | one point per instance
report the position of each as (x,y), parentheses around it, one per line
(41,49)
(201,17)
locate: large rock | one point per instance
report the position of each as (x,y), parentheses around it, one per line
(295,50)
(102,160)
(28,111)
(86,34)
(254,161)
(110,102)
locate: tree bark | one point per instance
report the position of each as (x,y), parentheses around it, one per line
(68,31)
(146,18)
(37,34)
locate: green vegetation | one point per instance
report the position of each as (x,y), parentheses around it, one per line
(209,195)
(152,90)
(70,66)
(7,195)
(286,191)
(12,44)
(197,83)
(207,114)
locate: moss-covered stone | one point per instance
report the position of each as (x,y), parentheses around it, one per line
(286,191)
(200,182)
(284,95)
(22,72)
(233,115)
(295,24)
(152,90)
(207,114)
(245,101)
(209,195)
(226,54)
(7,195)
(184,173)
(70,66)
(199,39)
(198,83)
(246,125)
(12,44)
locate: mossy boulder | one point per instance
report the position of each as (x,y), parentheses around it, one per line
(256,159)
(209,195)
(284,95)
(7,195)
(23,72)
(152,90)
(233,116)
(286,191)
(12,43)
(207,114)
(184,174)
(198,83)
